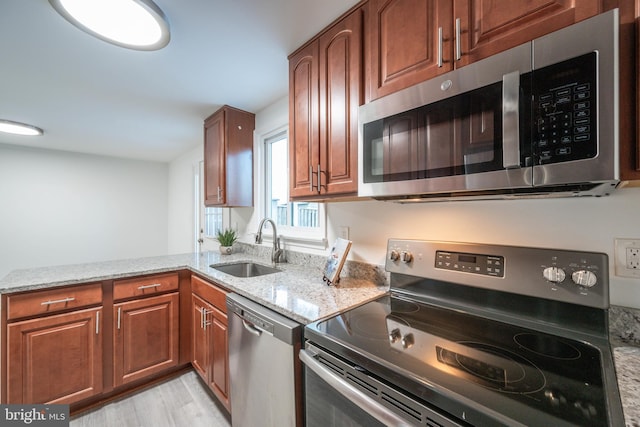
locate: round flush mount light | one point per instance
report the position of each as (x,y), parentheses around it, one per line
(134,24)
(16,128)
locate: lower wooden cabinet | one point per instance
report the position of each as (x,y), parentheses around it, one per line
(55,359)
(210,347)
(146,337)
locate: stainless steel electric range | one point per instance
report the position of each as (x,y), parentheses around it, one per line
(469,335)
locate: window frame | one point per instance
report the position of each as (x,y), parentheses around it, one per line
(294,236)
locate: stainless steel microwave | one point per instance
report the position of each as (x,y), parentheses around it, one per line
(540,119)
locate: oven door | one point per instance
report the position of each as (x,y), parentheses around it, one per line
(466,130)
(339,394)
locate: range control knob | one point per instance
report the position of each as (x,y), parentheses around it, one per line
(407,341)
(406,257)
(394,255)
(584,278)
(554,274)
(394,336)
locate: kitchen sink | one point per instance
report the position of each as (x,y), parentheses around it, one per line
(245,269)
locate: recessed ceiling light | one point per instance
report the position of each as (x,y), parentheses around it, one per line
(134,24)
(16,128)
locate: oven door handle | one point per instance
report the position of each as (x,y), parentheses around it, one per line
(358,398)
(511,120)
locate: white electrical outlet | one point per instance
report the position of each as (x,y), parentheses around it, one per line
(343,232)
(627,257)
(633,258)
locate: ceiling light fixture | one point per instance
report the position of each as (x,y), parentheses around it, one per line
(134,24)
(17,128)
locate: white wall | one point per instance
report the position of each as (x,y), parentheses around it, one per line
(65,208)
(589,224)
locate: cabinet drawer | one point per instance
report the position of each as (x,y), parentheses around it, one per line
(211,293)
(39,303)
(144,286)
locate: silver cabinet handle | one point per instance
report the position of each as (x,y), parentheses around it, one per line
(511,120)
(57,301)
(439,47)
(319,179)
(219,194)
(119,309)
(205,322)
(97,322)
(458,43)
(358,398)
(155,285)
(201,317)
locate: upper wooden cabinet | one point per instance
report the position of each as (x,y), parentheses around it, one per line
(228,158)
(410,41)
(325,91)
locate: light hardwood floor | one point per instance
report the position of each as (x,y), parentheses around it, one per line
(182,401)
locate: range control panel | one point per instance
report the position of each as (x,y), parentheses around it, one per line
(489,265)
(576,277)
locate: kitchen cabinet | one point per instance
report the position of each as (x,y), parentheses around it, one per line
(409,41)
(56,356)
(325,91)
(145,338)
(228,158)
(210,342)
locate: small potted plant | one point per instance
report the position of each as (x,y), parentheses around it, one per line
(226,238)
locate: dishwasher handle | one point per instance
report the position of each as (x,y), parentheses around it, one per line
(251,328)
(358,398)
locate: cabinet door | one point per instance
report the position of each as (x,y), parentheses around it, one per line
(214,164)
(55,359)
(200,345)
(490,27)
(217,329)
(145,337)
(340,76)
(404,45)
(304,151)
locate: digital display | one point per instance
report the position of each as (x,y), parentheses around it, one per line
(467,258)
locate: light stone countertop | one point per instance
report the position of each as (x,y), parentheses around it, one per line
(297,292)
(627,361)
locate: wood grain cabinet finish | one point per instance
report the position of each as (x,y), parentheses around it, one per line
(145,338)
(325,91)
(210,347)
(145,286)
(228,158)
(410,41)
(55,359)
(45,302)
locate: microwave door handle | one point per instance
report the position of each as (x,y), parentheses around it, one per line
(358,398)
(511,120)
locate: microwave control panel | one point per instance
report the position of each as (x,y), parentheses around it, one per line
(565,122)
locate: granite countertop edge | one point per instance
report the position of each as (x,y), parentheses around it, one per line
(297,291)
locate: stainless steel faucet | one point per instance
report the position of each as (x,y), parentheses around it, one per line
(277,255)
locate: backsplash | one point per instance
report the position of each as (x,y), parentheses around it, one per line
(354,269)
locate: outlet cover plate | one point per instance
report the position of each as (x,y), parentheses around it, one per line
(621,257)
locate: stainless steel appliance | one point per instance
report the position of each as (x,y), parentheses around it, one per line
(264,369)
(470,334)
(538,119)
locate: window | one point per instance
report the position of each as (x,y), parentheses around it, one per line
(304,220)
(212,221)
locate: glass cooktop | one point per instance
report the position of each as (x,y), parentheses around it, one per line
(443,355)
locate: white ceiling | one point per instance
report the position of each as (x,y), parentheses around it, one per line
(93,97)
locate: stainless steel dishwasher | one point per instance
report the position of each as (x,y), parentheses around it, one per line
(264,370)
